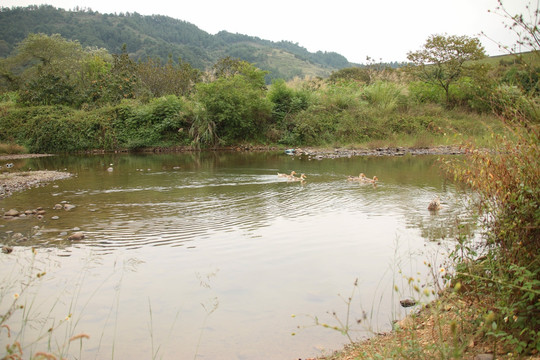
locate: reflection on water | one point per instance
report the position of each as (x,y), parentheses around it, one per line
(155,223)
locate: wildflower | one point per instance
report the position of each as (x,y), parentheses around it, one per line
(442,270)
(15,296)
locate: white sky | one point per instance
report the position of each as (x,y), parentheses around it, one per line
(381,29)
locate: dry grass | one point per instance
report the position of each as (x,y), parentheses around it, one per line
(12,149)
(451,327)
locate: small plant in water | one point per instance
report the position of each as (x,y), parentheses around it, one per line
(20,304)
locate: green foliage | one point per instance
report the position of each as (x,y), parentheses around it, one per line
(48,89)
(286,102)
(522,77)
(421,92)
(127,125)
(511,103)
(235,102)
(160,123)
(49,129)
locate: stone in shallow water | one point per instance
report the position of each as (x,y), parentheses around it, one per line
(69,207)
(76,236)
(12,213)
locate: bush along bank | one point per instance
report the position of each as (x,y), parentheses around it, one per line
(333,117)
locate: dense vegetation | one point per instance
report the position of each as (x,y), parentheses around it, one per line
(161,37)
(52,86)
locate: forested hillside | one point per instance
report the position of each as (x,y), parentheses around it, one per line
(162,37)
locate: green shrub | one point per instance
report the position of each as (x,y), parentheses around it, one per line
(286,101)
(510,102)
(159,123)
(236,106)
(49,89)
(421,92)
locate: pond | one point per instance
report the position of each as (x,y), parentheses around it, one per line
(213,256)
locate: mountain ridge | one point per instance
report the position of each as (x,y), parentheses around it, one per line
(160,36)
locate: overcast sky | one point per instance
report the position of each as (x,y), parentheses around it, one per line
(381,29)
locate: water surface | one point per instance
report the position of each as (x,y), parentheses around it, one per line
(208,255)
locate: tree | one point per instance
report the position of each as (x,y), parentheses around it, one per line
(443,59)
(51,50)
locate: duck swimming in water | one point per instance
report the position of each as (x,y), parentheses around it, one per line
(286,175)
(435,204)
(370,181)
(302,178)
(360,177)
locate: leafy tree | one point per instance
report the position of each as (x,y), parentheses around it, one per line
(442,61)
(47,68)
(48,50)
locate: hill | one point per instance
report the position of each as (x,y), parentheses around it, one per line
(162,36)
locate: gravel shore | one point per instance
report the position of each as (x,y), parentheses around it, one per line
(11,182)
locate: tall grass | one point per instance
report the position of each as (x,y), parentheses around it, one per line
(385,96)
(12,149)
(506,279)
